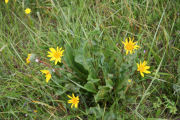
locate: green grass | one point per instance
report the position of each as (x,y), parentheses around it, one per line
(95,66)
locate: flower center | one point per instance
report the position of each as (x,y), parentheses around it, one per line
(129,46)
(57,55)
(74,101)
(141,68)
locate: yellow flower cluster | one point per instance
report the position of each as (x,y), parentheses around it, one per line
(27,10)
(130,47)
(56,55)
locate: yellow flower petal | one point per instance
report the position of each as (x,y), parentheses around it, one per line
(147,67)
(28,59)
(142,74)
(130,51)
(72,105)
(69,96)
(52,50)
(76,105)
(147,72)
(69,101)
(126,52)
(48,77)
(73,95)
(137,65)
(47,74)
(44,71)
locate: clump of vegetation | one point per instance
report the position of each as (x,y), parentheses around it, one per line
(103,59)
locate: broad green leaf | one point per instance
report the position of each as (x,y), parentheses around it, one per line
(91,78)
(178,71)
(109,83)
(89,86)
(102,93)
(96,111)
(78,68)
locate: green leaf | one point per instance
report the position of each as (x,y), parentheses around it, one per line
(155,119)
(96,111)
(91,77)
(110,116)
(178,71)
(102,93)
(70,60)
(109,83)
(89,86)
(81,56)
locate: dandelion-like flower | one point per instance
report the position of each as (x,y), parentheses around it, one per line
(27,10)
(130,46)
(35,111)
(74,101)
(129,80)
(55,54)
(28,58)
(142,68)
(47,75)
(6,1)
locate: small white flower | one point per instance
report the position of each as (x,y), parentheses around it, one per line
(37,60)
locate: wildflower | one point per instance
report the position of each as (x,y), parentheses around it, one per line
(129,80)
(6,1)
(144,51)
(47,75)
(55,54)
(37,60)
(142,68)
(74,100)
(35,111)
(28,59)
(27,10)
(130,46)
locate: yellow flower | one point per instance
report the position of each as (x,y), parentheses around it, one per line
(47,75)
(6,1)
(55,54)
(28,59)
(129,80)
(142,68)
(130,46)
(27,10)
(35,111)
(74,100)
